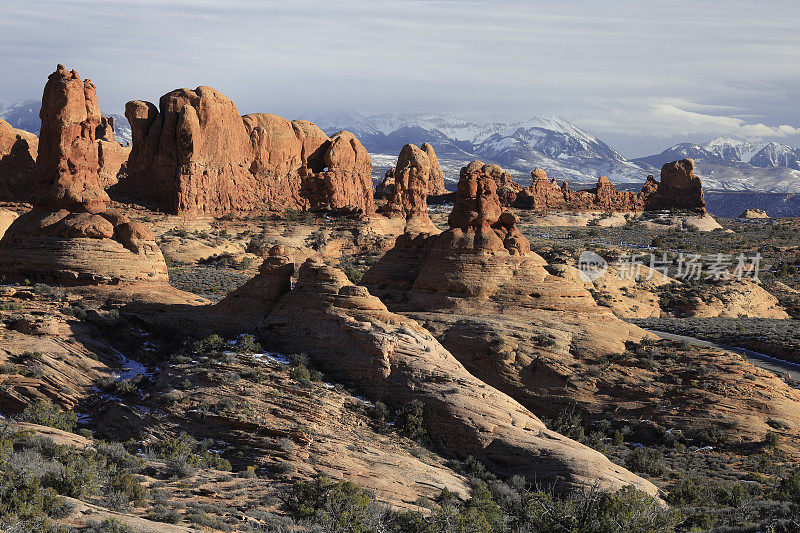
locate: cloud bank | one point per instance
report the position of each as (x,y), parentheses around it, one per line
(638,72)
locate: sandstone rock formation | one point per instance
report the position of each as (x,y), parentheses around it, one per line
(195,155)
(483,265)
(754,213)
(105,130)
(533,331)
(679,188)
(404,190)
(18,151)
(67,167)
(391,358)
(69,235)
(112,156)
(6,218)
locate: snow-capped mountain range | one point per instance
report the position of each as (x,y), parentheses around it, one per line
(732,164)
(565,151)
(562,148)
(758,153)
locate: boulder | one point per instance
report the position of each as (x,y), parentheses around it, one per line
(436,180)
(6,218)
(86,225)
(112,159)
(105,130)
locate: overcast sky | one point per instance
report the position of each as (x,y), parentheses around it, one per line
(640,74)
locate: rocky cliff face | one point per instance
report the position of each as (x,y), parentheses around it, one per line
(392,358)
(679,188)
(18,151)
(70,235)
(194,154)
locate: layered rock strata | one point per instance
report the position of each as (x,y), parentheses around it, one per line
(70,235)
(194,155)
(479,281)
(392,358)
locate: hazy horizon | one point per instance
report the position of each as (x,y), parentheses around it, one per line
(639,77)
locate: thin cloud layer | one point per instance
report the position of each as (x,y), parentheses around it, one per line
(637,72)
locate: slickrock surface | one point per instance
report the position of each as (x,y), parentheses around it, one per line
(638,296)
(61,364)
(533,330)
(404,190)
(69,235)
(736,299)
(314,428)
(352,335)
(18,150)
(679,188)
(195,155)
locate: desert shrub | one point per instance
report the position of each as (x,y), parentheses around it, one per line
(411,420)
(247,344)
(203,519)
(77,475)
(116,454)
(296,215)
(646,461)
(568,423)
(380,416)
(23,498)
(633,511)
(227,260)
(772,439)
(109,525)
(336,506)
(125,483)
(788,488)
(44,413)
(184,455)
(211,345)
(181,445)
(161,513)
(353,273)
(300,373)
(181,467)
(318,239)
